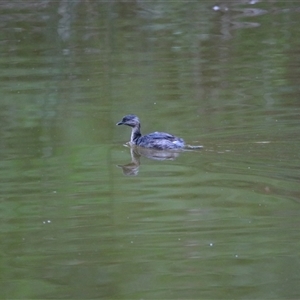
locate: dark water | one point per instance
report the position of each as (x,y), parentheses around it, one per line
(218,223)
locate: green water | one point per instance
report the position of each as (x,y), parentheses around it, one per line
(216,223)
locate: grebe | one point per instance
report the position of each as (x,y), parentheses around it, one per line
(155,140)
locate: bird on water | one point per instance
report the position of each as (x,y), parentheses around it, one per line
(155,140)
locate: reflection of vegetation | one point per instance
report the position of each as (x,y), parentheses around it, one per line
(70,70)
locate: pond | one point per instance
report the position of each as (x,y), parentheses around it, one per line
(85,216)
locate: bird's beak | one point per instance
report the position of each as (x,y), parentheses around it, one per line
(120,123)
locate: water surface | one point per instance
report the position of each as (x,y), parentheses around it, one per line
(218,223)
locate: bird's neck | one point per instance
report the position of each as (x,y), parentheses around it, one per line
(135,134)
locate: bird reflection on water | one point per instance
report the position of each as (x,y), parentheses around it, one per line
(132,168)
(155,145)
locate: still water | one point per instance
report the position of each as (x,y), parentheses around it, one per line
(83,216)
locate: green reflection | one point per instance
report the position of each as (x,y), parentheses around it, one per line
(219,223)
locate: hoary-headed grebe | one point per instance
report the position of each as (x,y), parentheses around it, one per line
(155,140)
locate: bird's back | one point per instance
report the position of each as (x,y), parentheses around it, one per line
(160,140)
